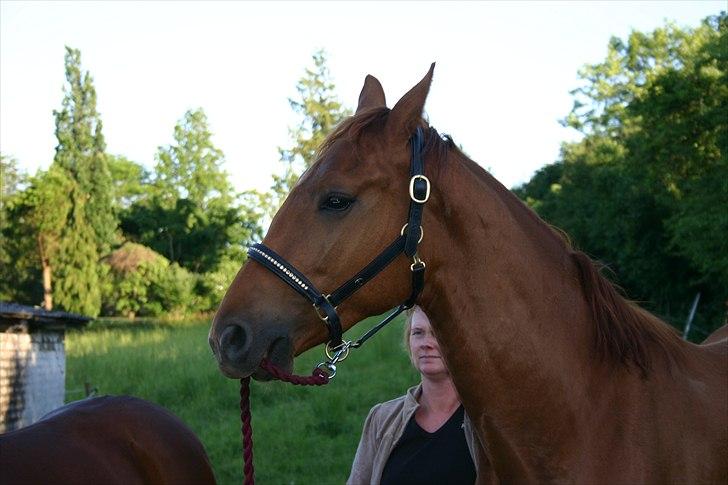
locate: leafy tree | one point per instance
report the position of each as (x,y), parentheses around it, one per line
(11,182)
(31,234)
(320,112)
(646,189)
(191,214)
(195,238)
(11,179)
(129,180)
(191,167)
(47,261)
(680,147)
(46,206)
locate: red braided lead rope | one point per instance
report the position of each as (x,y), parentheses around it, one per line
(247,430)
(317,378)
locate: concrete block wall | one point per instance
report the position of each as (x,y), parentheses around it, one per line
(32,376)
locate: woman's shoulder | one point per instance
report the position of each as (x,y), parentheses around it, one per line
(396,406)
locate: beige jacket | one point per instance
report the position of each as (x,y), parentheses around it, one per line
(383,428)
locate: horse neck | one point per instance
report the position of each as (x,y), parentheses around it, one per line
(504,296)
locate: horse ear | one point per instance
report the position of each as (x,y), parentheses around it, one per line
(372,94)
(408,110)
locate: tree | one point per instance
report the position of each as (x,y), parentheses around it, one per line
(646,189)
(680,147)
(18,249)
(191,214)
(81,151)
(129,180)
(191,167)
(88,231)
(11,179)
(46,206)
(79,273)
(320,112)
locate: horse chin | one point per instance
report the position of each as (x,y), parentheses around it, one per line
(232,372)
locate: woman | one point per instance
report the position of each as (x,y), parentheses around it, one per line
(424,436)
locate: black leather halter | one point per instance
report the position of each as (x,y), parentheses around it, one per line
(410,236)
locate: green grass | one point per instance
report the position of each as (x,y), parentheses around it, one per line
(302,435)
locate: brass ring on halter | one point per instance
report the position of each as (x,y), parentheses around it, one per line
(340,352)
(422,232)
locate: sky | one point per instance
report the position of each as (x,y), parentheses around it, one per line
(502,79)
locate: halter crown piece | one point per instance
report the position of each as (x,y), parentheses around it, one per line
(325,304)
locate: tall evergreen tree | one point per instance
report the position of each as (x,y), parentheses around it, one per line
(78,273)
(90,227)
(81,151)
(320,112)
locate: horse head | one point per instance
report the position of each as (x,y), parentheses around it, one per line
(340,215)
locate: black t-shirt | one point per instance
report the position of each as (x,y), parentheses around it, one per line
(421,458)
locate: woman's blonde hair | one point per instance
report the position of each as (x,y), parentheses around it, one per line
(409,315)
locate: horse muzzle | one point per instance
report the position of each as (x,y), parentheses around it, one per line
(238,352)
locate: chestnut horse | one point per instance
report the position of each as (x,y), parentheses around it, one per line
(105,440)
(565,380)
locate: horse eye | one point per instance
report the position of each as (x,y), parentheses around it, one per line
(336,203)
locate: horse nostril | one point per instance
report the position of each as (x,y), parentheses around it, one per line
(233,343)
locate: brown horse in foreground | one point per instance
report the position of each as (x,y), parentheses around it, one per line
(565,380)
(106,440)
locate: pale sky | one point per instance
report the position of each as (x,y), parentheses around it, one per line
(502,81)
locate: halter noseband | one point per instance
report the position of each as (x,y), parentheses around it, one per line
(325,305)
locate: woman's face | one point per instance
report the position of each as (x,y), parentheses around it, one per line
(424,349)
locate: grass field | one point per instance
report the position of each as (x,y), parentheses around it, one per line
(301,435)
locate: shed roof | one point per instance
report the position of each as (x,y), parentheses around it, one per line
(14,314)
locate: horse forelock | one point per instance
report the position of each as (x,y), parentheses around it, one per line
(371,120)
(353,128)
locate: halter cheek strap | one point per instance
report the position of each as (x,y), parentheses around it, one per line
(326,304)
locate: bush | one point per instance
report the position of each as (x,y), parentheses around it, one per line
(211,286)
(171,290)
(144,283)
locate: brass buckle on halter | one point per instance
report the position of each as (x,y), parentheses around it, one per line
(412,189)
(324,317)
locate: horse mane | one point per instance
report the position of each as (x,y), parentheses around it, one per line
(623,332)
